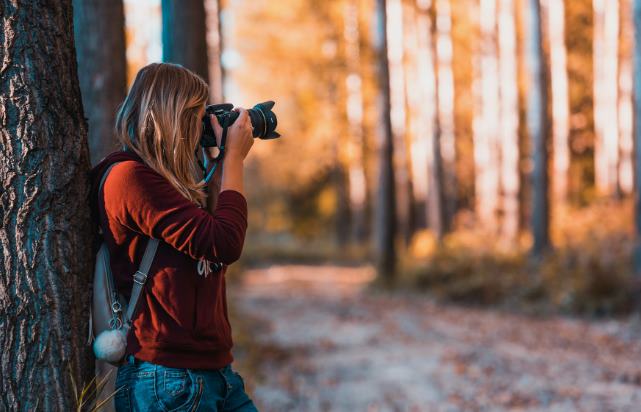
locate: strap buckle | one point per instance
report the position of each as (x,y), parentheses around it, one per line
(140,278)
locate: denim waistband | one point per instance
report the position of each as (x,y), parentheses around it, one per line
(132,360)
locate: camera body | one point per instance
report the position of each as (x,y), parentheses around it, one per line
(262,118)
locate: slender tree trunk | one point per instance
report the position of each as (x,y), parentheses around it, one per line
(435,207)
(538,129)
(46,233)
(213,9)
(487,119)
(637,135)
(403,176)
(524,149)
(99,29)
(509,121)
(385,219)
(445,108)
(354,110)
(606,116)
(184,35)
(560,99)
(625,167)
(420,86)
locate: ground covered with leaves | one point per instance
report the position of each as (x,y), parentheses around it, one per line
(318,338)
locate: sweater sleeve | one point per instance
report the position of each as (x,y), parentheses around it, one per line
(142,200)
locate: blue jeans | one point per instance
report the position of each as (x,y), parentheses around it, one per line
(145,386)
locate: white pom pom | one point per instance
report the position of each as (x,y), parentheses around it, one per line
(110,345)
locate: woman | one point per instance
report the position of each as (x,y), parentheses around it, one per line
(179,347)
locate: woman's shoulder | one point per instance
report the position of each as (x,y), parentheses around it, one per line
(131,171)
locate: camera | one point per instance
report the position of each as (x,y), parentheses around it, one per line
(262,118)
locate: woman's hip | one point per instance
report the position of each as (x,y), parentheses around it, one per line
(145,386)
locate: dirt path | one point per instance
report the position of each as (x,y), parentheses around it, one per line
(329,345)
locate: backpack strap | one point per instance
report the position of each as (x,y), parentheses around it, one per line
(140,277)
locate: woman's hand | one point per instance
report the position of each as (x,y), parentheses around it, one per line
(239,136)
(239,142)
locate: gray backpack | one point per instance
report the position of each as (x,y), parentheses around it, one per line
(110,316)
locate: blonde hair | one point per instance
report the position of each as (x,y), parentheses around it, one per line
(159,121)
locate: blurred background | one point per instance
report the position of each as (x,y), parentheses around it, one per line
(446,223)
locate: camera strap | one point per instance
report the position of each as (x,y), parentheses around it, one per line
(218,159)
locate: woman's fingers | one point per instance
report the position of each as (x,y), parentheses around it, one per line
(218,130)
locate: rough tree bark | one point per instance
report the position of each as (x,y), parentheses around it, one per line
(184,35)
(538,122)
(46,234)
(385,217)
(99,29)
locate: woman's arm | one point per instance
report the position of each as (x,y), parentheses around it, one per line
(141,200)
(239,142)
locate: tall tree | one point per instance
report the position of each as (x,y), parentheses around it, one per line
(606,115)
(626,42)
(538,124)
(445,106)
(637,135)
(99,29)
(430,129)
(560,98)
(184,35)
(487,118)
(46,232)
(420,87)
(509,108)
(358,189)
(213,10)
(385,217)
(396,57)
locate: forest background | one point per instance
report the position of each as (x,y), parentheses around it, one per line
(480,152)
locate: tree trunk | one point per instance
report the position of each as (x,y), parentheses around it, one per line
(385,219)
(606,116)
(487,120)
(354,110)
(435,205)
(102,69)
(538,129)
(637,136)
(46,232)
(524,160)
(445,108)
(404,194)
(184,35)
(560,99)
(215,48)
(626,41)
(419,78)
(509,121)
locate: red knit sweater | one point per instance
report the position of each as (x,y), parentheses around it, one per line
(182,315)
